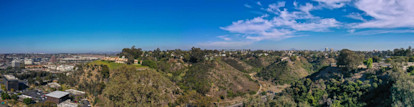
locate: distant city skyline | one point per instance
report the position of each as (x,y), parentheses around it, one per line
(68,26)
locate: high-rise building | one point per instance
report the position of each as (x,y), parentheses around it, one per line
(53,59)
(16,63)
(11,82)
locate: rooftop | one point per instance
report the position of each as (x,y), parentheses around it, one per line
(10,77)
(57,94)
(68,103)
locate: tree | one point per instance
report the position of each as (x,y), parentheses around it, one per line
(411,59)
(402,94)
(5,96)
(157,53)
(369,63)
(410,69)
(27,101)
(14,97)
(388,60)
(196,55)
(3,87)
(376,59)
(149,63)
(104,71)
(131,53)
(349,60)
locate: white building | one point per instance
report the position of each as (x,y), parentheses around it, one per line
(65,67)
(28,61)
(16,63)
(51,67)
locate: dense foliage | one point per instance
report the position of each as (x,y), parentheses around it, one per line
(349,60)
(128,87)
(196,78)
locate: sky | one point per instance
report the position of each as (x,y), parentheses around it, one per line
(61,26)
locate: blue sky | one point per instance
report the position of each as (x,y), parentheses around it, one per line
(50,26)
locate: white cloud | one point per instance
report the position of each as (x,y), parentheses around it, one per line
(383,31)
(273,34)
(316,25)
(356,16)
(224,37)
(306,8)
(280,23)
(295,4)
(387,13)
(253,26)
(247,5)
(258,3)
(275,7)
(333,3)
(351,30)
(281,26)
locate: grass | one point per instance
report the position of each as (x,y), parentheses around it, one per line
(113,65)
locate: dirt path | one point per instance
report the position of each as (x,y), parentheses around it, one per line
(264,87)
(255,79)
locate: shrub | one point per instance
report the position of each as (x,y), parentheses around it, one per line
(149,63)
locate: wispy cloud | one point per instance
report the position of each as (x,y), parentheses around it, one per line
(387,13)
(384,31)
(356,16)
(247,5)
(333,3)
(259,3)
(307,8)
(275,7)
(280,22)
(281,26)
(224,37)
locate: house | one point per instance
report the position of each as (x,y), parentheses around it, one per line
(53,85)
(333,65)
(57,96)
(65,67)
(116,59)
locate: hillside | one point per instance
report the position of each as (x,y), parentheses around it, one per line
(129,87)
(218,80)
(110,83)
(260,62)
(331,87)
(285,72)
(100,77)
(238,64)
(230,82)
(196,80)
